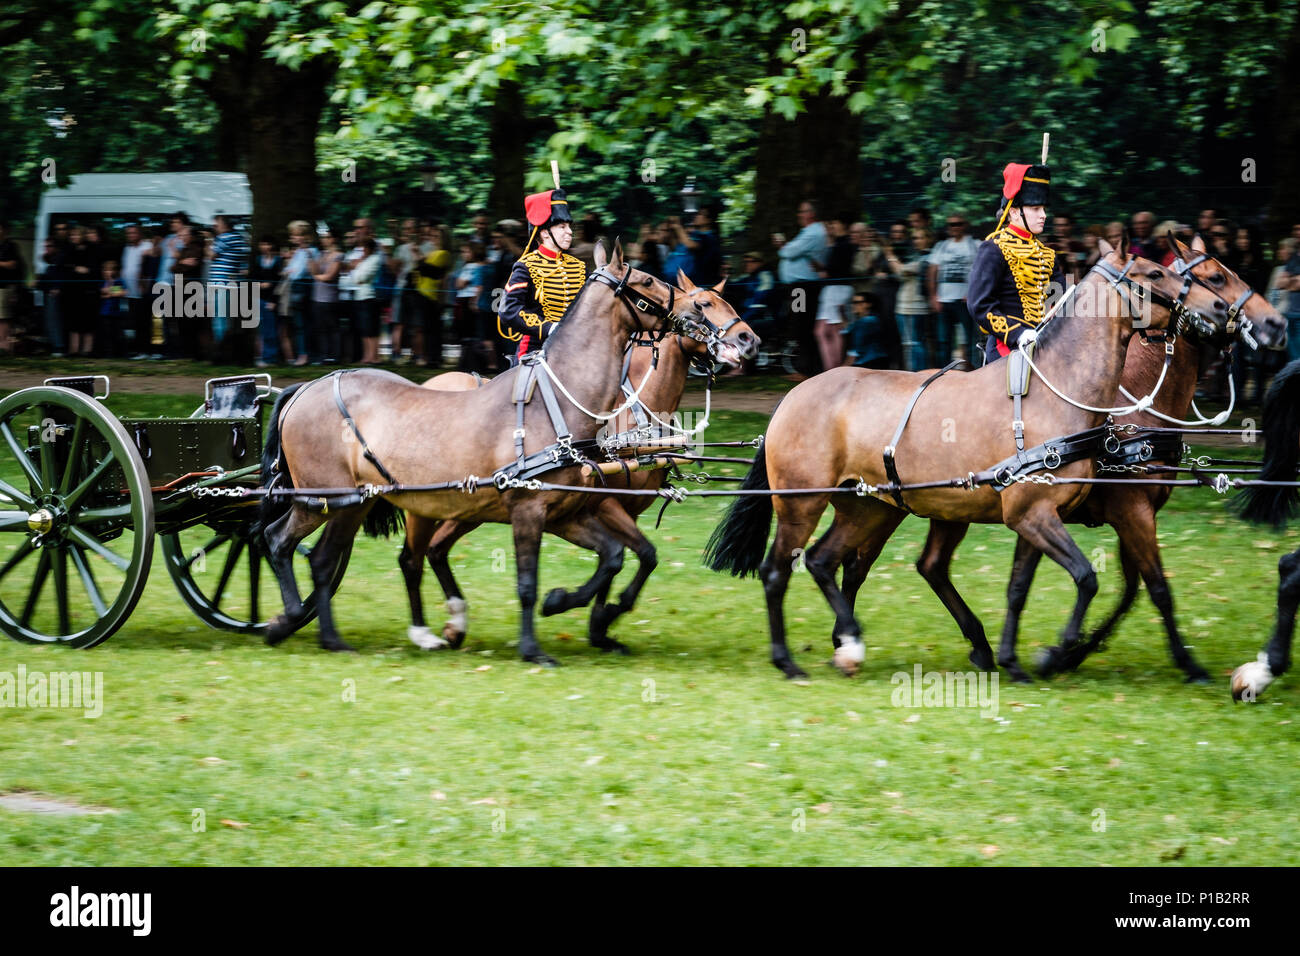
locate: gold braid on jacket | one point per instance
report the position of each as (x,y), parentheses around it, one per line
(556,282)
(1031,265)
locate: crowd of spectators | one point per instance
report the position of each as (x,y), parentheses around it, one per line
(842,292)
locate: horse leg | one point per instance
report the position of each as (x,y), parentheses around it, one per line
(447,534)
(331,553)
(527,520)
(1139,548)
(933,565)
(857,564)
(419,531)
(586,531)
(1129,566)
(866,526)
(796,520)
(1250,680)
(1041,527)
(589,531)
(282,539)
(1022,576)
(614,517)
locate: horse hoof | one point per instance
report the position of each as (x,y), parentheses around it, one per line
(554,602)
(338,647)
(1197,676)
(279,628)
(983,660)
(611,646)
(425,639)
(1017,674)
(1250,679)
(791,670)
(849,656)
(453,637)
(545,660)
(1050,661)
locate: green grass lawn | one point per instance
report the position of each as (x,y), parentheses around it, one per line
(694,749)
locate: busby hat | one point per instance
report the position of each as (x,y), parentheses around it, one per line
(547,208)
(1026,185)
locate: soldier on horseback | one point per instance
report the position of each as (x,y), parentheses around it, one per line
(546,278)
(1013,269)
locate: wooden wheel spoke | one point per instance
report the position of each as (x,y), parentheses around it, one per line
(13,521)
(9,491)
(24,549)
(19,454)
(46,455)
(86,541)
(206,550)
(108,513)
(254,582)
(88,580)
(60,562)
(38,584)
(88,482)
(74,455)
(232,558)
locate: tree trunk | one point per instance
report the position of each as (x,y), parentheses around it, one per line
(508,135)
(815,157)
(282,114)
(1284,208)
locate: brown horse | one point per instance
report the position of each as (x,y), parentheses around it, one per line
(962,421)
(425,437)
(661,393)
(1129,509)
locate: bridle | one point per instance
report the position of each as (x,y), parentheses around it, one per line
(1184,318)
(1237,324)
(691,324)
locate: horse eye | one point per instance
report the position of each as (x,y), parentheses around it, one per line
(1217,278)
(1155,274)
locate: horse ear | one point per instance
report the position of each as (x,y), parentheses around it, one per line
(617,259)
(684,283)
(599,256)
(718,288)
(1179,249)
(1104,247)
(1198,244)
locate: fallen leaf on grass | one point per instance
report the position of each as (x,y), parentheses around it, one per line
(487,801)
(211,761)
(234,824)
(482,667)
(989,851)
(824,807)
(437,795)
(756,764)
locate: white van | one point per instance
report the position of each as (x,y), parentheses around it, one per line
(112,200)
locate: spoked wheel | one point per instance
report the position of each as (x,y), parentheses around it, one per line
(223,574)
(76,519)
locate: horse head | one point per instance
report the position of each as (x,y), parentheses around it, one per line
(1249,316)
(714,325)
(1164,297)
(652,303)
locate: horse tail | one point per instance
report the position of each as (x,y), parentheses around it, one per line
(1275,506)
(384,519)
(274,471)
(737,545)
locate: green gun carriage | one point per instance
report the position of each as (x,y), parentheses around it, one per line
(83,493)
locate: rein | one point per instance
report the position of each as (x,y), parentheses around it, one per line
(1121,282)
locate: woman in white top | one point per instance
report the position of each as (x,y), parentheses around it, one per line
(361,280)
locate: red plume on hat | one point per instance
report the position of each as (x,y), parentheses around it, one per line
(537,208)
(1013,177)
